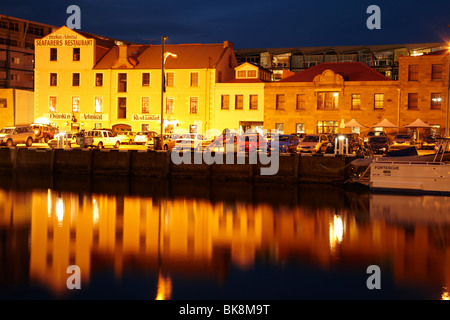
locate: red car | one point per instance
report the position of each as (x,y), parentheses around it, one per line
(251,142)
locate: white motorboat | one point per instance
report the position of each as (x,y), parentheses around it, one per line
(412,176)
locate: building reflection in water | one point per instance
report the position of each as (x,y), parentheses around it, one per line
(199,237)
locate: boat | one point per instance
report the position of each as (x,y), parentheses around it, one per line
(418,176)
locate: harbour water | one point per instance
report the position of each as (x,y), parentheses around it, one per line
(176,240)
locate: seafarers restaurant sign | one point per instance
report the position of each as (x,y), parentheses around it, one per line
(63,40)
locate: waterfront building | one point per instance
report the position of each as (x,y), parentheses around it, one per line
(83,83)
(239,103)
(323,98)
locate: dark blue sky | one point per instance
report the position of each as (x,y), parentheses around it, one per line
(250,23)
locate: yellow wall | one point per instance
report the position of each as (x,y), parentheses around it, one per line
(19,107)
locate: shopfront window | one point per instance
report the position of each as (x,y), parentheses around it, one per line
(327,126)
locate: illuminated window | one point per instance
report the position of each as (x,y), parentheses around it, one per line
(169,105)
(436,72)
(327,100)
(146,79)
(99,79)
(242,74)
(239,102)
(251,74)
(193,105)
(378,101)
(76,54)
(413,101)
(75,104)
(300,128)
(253,102)
(170,79)
(436,100)
(53,79)
(3,103)
(300,101)
(279,102)
(98,104)
(122,108)
(52,104)
(225,102)
(279,127)
(145,104)
(413,72)
(53,54)
(327,126)
(356,101)
(194,79)
(75,79)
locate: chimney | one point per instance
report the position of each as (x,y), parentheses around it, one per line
(123,51)
(228,44)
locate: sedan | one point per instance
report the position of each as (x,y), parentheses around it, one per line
(144,137)
(313,143)
(379,145)
(429,142)
(403,139)
(126,137)
(287,143)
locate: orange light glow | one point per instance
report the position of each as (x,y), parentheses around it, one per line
(164,290)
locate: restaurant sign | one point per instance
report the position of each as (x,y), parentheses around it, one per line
(63,40)
(145,117)
(82,116)
(94,116)
(58,116)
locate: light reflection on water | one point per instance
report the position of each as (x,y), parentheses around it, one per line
(150,239)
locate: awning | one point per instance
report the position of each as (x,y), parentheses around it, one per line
(354,123)
(385,124)
(418,123)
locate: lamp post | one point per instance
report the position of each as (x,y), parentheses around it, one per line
(164,56)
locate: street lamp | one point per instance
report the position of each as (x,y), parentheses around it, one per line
(164,56)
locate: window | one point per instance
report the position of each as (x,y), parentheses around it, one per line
(76,54)
(169,79)
(327,100)
(436,100)
(435,129)
(98,104)
(251,74)
(75,104)
(300,102)
(145,127)
(239,102)
(225,102)
(356,101)
(145,79)
(279,102)
(253,102)
(75,79)
(145,104)
(193,105)
(194,79)
(413,72)
(413,101)
(327,126)
(52,104)
(15,77)
(279,127)
(122,108)
(122,82)
(242,74)
(53,79)
(15,60)
(99,79)
(300,128)
(378,101)
(169,105)
(53,54)
(436,72)
(3,103)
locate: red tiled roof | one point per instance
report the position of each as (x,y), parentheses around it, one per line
(350,71)
(189,56)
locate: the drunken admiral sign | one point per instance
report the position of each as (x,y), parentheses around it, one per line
(83,116)
(64,40)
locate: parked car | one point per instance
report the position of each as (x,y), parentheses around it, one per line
(313,143)
(251,141)
(354,142)
(403,139)
(371,134)
(429,142)
(126,137)
(143,137)
(379,144)
(168,144)
(12,136)
(299,135)
(69,138)
(224,143)
(191,141)
(43,133)
(287,143)
(99,138)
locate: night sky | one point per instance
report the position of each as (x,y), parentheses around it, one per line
(250,23)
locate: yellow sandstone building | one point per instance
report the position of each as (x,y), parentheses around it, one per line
(86,83)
